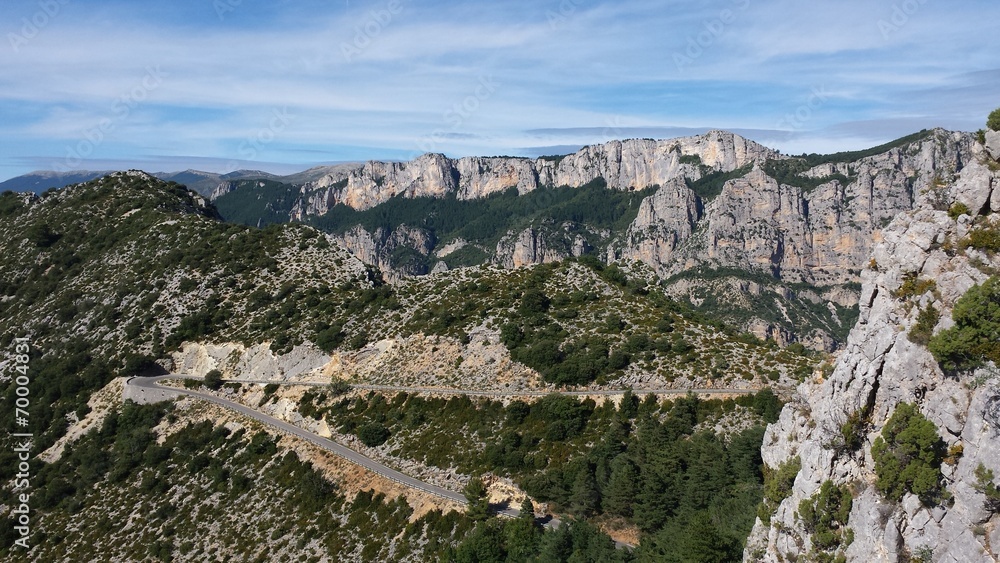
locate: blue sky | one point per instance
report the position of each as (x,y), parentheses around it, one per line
(282,85)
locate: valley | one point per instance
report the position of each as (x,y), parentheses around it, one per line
(667,363)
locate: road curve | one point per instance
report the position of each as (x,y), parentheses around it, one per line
(329,445)
(481,393)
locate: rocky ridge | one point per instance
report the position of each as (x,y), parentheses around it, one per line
(880,369)
(624,165)
(720,205)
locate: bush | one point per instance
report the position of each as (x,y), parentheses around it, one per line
(908,456)
(957,210)
(339,387)
(825,515)
(777,486)
(986,486)
(973,339)
(982,238)
(852,431)
(373,434)
(213,379)
(993,121)
(922,330)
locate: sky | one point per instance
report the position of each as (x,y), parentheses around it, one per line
(282,85)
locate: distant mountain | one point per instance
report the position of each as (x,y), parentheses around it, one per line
(41,180)
(202,182)
(719,218)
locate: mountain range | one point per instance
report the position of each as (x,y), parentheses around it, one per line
(531,332)
(716,217)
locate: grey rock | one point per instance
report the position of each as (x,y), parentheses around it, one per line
(879,369)
(993,144)
(974,187)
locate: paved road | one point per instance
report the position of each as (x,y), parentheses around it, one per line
(478,393)
(338,449)
(369,463)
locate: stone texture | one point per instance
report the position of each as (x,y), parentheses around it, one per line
(625,165)
(879,369)
(302,363)
(974,187)
(993,144)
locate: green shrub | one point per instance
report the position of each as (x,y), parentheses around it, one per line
(973,339)
(985,485)
(852,431)
(825,515)
(777,486)
(922,330)
(958,209)
(982,238)
(913,286)
(213,379)
(373,434)
(908,456)
(993,121)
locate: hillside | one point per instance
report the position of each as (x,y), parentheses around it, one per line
(129,274)
(893,456)
(716,217)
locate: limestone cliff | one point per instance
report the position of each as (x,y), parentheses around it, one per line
(718,205)
(882,368)
(624,165)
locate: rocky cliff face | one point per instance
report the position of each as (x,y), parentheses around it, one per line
(624,165)
(391,251)
(880,369)
(816,227)
(820,236)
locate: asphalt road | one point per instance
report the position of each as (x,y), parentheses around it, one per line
(338,449)
(478,393)
(369,463)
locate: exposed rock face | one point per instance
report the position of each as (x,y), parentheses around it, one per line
(303,363)
(879,369)
(993,144)
(632,164)
(480,177)
(379,247)
(822,236)
(665,219)
(540,245)
(431,175)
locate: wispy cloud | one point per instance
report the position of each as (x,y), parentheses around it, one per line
(387,79)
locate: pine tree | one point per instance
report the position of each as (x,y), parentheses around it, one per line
(477,495)
(585,498)
(619,496)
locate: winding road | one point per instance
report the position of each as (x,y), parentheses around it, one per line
(329,445)
(369,463)
(480,393)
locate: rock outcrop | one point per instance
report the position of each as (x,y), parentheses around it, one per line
(391,251)
(302,363)
(881,368)
(816,228)
(624,165)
